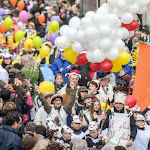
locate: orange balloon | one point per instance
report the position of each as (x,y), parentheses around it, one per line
(21,5)
(3,29)
(41,18)
(13,2)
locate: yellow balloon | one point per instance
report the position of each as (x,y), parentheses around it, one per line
(50,31)
(70,55)
(44,51)
(28,45)
(124,58)
(103,104)
(46,86)
(1,61)
(116,66)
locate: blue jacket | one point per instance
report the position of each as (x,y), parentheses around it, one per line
(61,63)
(10,139)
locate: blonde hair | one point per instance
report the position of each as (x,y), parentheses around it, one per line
(9,106)
(41,144)
(29,62)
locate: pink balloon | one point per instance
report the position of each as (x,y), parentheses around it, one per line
(23,16)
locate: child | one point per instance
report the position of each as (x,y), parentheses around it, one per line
(93,139)
(76,127)
(143,134)
(65,140)
(31,32)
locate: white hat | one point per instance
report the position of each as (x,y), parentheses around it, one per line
(93,125)
(6,55)
(3,74)
(67,129)
(52,126)
(76,119)
(61,49)
(120,97)
(136,108)
(51,118)
(140,117)
(96,81)
(148,118)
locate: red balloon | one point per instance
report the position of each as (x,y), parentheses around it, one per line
(82,60)
(95,67)
(132,26)
(130,101)
(106,65)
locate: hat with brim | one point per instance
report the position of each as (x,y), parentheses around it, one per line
(140,118)
(48,94)
(56,96)
(83,89)
(88,96)
(120,98)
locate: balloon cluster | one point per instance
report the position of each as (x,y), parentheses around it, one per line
(101,33)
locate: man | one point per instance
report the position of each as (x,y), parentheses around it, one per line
(61,65)
(9,135)
(120,123)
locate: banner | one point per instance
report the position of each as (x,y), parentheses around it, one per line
(142,78)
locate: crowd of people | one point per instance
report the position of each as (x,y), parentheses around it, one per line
(84,109)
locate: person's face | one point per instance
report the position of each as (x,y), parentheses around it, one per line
(59,80)
(62,54)
(67,136)
(74,78)
(59,2)
(7,61)
(105,82)
(138,34)
(3,46)
(135,114)
(93,89)
(57,103)
(55,134)
(76,126)
(140,123)
(83,93)
(96,106)
(30,26)
(93,133)
(118,106)
(88,102)
(49,100)
(17,126)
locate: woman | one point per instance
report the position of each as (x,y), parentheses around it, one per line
(58,82)
(94,87)
(79,103)
(7,59)
(95,111)
(31,70)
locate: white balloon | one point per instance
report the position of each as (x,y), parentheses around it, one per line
(103,10)
(143,2)
(98,55)
(142,10)
(113,35)
(76,46)
(113,3)
(131,33)
(90,14)
(74,22)
(119,24)
(127,18)
(71,35)
(64,31)
(93,45)
(63,28)
(112,19)
(125,33)
(62,42)
(97,19)
(133,8)
(112,54)
(118,44)
(105,30)
(86,22)
(80,36)
(122,4)
(105,43)
(89,56)
(120,33)
(91,33)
